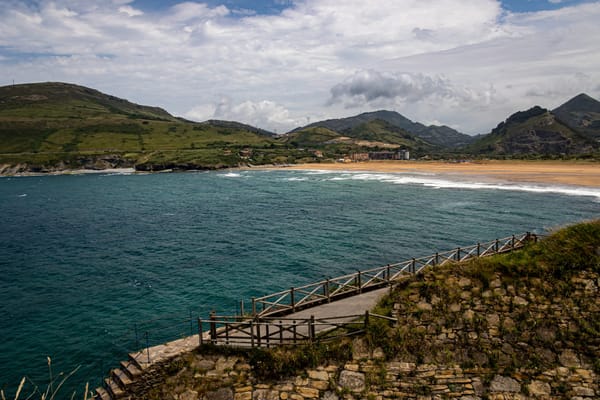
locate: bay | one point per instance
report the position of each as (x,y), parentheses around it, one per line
(88,260)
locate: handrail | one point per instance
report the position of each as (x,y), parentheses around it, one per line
(324,291)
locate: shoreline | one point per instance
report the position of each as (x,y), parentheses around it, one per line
(564,173)
(578,173)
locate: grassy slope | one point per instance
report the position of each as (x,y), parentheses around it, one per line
(532,132)
(48,123)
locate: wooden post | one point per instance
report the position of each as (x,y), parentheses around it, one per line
(226,332)
(200,331)
(458,254)
(258,334)
(267,334)
(387,273)
(253,306)
(292,300)
(512,242)
(294,330)
(213,327)
(148,347)
(437,258)
(413,265)
(497,245)
(326,290)
(311,328)
(359,282)
(252,334)
(366,320)
(280,332)
(478,249)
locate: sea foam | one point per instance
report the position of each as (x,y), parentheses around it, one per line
(463,182)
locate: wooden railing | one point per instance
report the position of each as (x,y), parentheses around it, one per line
(269,331)
(298,298)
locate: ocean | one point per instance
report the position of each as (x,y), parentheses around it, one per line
(94,266)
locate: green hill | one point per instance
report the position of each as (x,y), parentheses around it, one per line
(582,114)
(536,131)
(55,126)
(439,136)
(370,135)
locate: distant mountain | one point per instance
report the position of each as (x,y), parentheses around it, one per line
(582,114)
(367,135)
(536,131)
(440,136)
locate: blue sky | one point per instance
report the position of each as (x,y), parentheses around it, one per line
(276,6)
(279,64)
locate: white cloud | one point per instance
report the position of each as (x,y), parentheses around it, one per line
(465,63)
(132,12)
(266,114)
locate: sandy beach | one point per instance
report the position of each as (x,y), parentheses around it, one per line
(578,173)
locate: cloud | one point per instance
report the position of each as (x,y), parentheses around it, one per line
(367,86)
(266,114)
(466,63)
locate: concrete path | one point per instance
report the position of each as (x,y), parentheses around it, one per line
(355,305)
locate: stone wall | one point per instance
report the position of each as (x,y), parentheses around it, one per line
(210,377)
(461,334)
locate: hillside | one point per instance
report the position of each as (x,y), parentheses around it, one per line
(536,131)
(369,135)
(439,136)
(54,126)
(582,114)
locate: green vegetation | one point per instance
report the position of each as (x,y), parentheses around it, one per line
(550,272)
(56,126)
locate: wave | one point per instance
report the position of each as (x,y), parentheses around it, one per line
(231,175)
(462,183)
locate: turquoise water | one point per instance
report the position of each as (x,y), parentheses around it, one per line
(87,259)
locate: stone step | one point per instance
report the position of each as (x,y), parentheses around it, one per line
(120,377)
(112,388)
(131,369)
(102,394)
(140,359)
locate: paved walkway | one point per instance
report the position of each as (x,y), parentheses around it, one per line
(354,305)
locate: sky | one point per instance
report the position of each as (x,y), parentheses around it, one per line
(280,64)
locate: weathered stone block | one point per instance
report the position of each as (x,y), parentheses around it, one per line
(318,375)
(569,359)
(243,396)
(265,394)
(308,392)
(539,388)
(584,391)
(504,384)
(321,385)
(189,395)
(519,301)
(329,395)
(351,380)
(220,394)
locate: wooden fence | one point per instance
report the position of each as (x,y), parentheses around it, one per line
(298,298)
(269,331)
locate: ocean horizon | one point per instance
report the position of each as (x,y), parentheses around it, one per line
(92,262)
